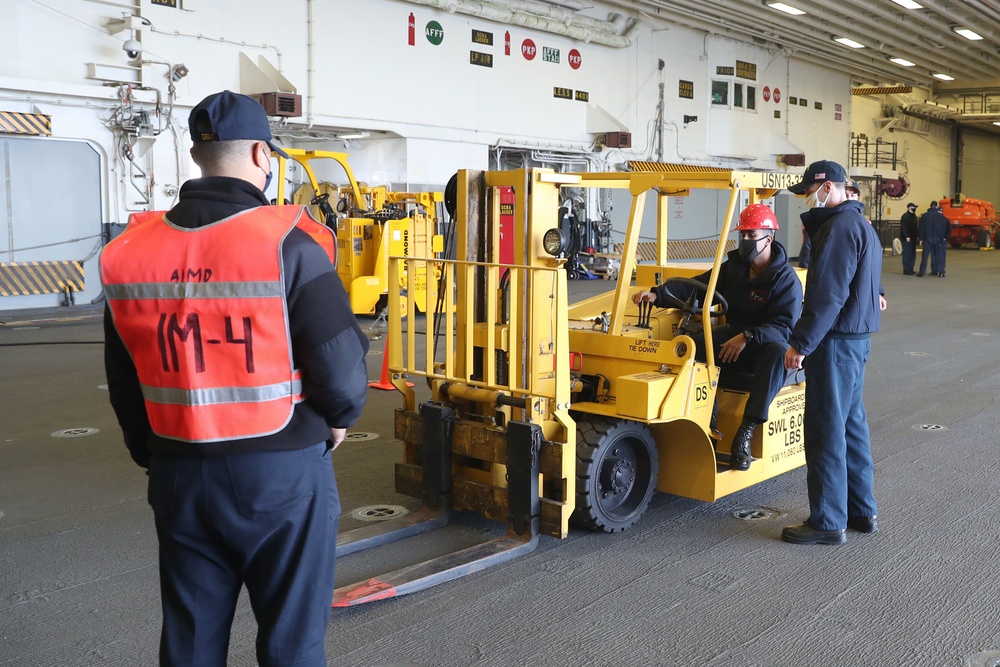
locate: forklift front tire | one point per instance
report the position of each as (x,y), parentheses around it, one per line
(617,465)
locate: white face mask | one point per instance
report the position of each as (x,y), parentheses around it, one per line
(812,201)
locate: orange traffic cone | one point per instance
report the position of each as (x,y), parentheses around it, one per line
(383,381)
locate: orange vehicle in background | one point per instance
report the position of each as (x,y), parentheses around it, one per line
(972,221)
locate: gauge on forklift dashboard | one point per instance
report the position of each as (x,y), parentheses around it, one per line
(555,243)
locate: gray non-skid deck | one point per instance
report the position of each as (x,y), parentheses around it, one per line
(691,585)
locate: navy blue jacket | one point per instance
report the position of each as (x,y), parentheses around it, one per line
(842,286)
(934,227)
(327,343)
(908,227)
(769,303)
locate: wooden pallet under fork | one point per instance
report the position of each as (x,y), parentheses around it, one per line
(523,445)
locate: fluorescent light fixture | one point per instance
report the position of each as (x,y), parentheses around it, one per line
(908,4)
(943,77)
(968,34)
(996,122)
(352,135)
(848,42)
(902,61)
(788,9)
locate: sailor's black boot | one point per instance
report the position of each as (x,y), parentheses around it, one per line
(739,458)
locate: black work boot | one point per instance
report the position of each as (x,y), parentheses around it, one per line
(739,457)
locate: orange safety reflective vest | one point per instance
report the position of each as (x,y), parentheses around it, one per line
(203,314)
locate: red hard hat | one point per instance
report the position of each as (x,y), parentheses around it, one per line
(757,216)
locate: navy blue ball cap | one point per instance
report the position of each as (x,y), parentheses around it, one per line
(229,116)
(911,205)
(819,172)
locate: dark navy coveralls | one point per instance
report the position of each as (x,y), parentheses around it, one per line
(935,230)
(769,305)
(908,230)
(840,313)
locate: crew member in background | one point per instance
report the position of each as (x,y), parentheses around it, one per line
(805,250)
(853,191)
(765,298)
(909,237)
(234,367)
(935,230)
(832,341)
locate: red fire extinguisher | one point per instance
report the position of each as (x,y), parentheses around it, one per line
(412,29)
(506,43)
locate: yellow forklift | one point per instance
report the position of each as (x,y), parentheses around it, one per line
(371,224)
(543,413)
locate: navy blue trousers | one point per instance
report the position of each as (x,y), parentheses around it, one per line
(265,520)
(935,251)
(909,255)
(766,362)
(840,470)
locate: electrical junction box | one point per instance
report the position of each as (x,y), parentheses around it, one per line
(281,104)
(618,139)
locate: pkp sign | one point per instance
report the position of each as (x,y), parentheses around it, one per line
(528,49)
(767,94)
(575,59)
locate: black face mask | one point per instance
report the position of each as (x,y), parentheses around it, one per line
(750,248)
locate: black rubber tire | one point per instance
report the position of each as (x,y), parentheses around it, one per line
(983,240)
(616,469)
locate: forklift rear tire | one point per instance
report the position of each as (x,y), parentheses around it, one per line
(616,468)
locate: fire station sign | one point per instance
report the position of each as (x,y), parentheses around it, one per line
(434,33)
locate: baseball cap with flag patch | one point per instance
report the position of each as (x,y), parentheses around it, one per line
(819,172)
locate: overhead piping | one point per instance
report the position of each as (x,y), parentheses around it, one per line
(966,57)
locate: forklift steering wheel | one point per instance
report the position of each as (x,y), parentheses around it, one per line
(691,305)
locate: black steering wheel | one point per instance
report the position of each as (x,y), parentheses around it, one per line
(691,306)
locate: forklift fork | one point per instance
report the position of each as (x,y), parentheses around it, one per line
(524,441)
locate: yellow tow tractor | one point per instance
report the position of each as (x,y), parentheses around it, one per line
(544,413)
(371,224)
